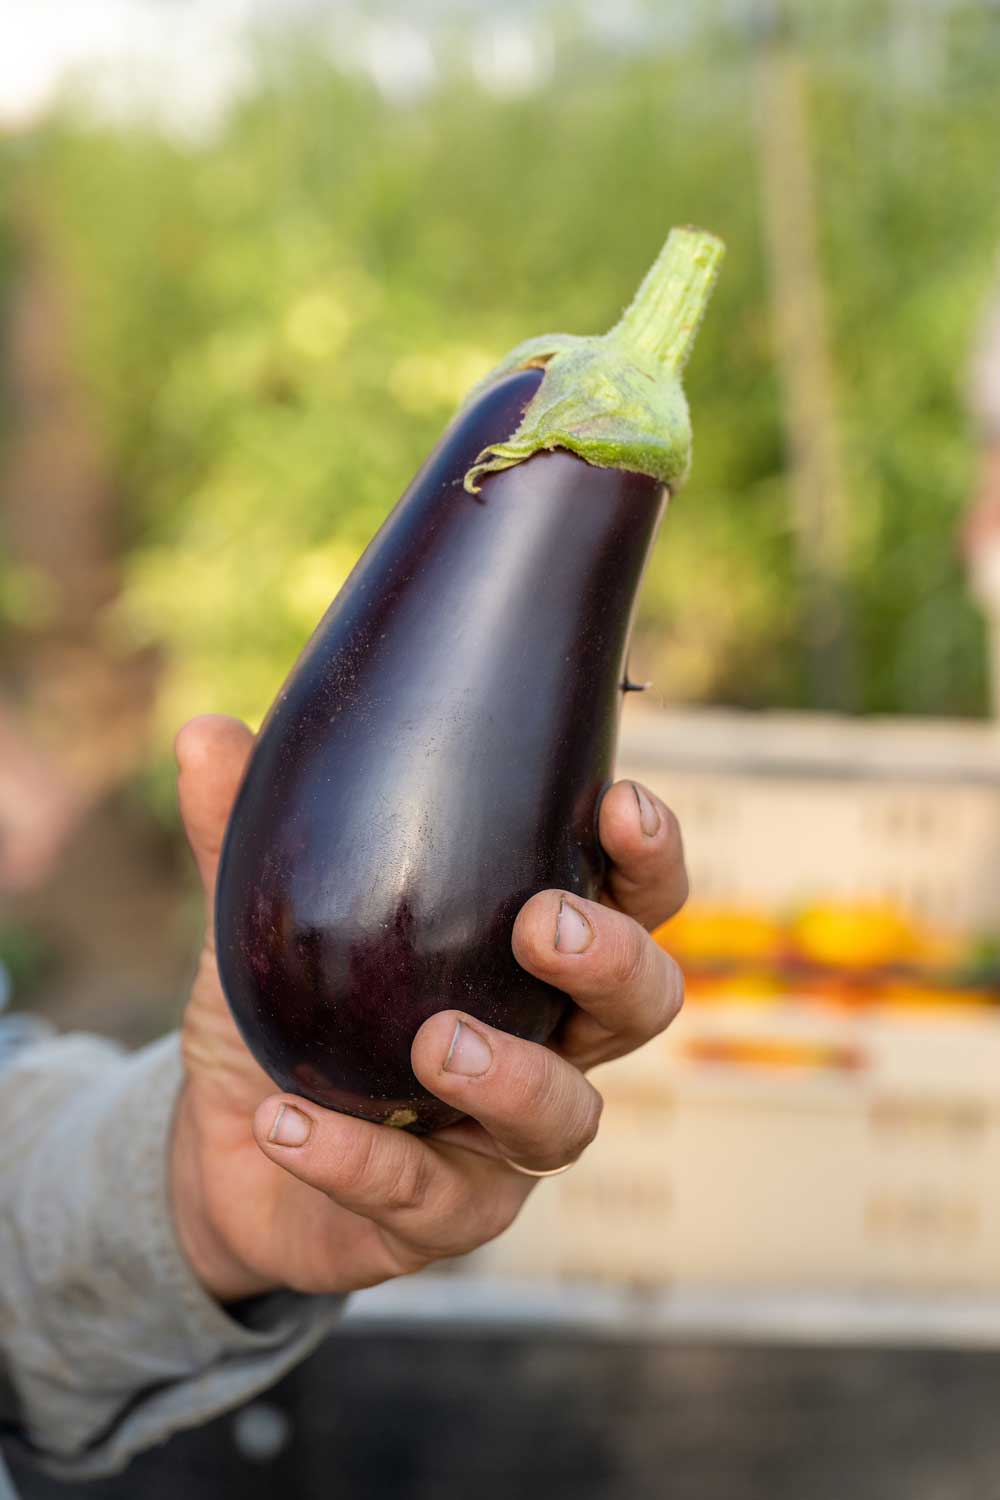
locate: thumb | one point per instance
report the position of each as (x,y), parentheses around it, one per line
(212,752)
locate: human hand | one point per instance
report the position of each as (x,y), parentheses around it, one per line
(272,1190)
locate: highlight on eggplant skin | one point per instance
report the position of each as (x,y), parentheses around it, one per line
(436,757)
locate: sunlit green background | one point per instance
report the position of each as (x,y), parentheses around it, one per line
(235,318)
(232,335)
(275,317)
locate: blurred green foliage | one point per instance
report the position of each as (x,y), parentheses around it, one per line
(8,253)
(276,323)
(25,958)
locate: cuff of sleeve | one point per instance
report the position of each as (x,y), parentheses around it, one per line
(185,1323)
(118,1309)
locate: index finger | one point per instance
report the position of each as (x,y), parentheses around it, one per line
(647,878)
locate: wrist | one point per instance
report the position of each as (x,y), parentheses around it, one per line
(221,1272)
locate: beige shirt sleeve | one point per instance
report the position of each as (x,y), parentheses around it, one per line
(108,1339)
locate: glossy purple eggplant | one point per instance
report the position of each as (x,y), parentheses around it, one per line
(437,756)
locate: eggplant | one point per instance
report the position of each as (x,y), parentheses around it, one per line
(439,752)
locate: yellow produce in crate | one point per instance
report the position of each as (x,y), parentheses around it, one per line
(747,986)
(703,933)
(855,937)
(867,937)
(830,954)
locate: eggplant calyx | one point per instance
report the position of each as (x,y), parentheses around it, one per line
(616,399)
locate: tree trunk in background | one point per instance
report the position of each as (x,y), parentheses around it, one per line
(112,910)
(89,702)
(819,503)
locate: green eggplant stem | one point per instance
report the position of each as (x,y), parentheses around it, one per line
(616,399)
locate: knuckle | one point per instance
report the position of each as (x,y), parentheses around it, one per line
(590,1119)
(680,891)
(485,1219)
(672,992)
(356,1166)
(629,955)
(496,1210)
(536,1084)
(461,1222)
(503,1211)
(406,1260)
(661,1003)
(407,1186)
(567,1111)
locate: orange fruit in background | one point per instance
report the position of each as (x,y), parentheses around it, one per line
(752,986)
(935,997)
(761,1052)
(713,932)
(832,954)
(861,937)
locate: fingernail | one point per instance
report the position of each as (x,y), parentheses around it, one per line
(469,1052)
(649,817)
(573,932)
(291,1127)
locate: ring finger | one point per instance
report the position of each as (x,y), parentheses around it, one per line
(536,1108)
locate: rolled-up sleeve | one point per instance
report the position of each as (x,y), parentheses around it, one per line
(109,1341)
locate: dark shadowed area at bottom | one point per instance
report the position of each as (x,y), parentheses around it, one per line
(377,1416)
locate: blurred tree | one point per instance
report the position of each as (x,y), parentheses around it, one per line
(276,320)
(816,490)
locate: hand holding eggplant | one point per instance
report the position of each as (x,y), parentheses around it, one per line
(439,752)
(323,1201)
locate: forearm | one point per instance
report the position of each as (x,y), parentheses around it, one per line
(98,1302)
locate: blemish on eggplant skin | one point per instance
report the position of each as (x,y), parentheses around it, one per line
(400,1118)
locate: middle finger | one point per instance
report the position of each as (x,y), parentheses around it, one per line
(626,988)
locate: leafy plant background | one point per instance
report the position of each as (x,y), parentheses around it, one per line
(275,320)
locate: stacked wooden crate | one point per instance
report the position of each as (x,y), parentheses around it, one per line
(876,1161)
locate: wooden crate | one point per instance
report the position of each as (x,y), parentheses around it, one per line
(779,810)
(881,1169)
(873,1162)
